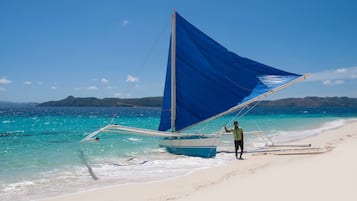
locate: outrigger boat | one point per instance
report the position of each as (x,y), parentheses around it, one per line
(204,81)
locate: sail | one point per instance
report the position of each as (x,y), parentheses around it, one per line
(210,79)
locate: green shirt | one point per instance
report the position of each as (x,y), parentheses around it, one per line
(237,132)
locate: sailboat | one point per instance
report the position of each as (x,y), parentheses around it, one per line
(204,81)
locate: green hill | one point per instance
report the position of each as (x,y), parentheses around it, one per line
(307,102)
(105,102)
(311,102)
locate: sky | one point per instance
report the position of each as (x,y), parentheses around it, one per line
(50,49)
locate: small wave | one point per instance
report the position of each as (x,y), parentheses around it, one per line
(289,136)
(135,139)
(111,171)
(59,141)
(17,186)
(9,133)
(6,122)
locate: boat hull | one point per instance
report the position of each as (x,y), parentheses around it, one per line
(198,146)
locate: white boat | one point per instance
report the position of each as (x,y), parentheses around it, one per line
(204,81)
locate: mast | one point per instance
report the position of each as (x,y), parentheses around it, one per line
(173,72)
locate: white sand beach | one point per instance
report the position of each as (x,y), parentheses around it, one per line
(328,172)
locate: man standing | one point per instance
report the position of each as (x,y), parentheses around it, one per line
(238,138)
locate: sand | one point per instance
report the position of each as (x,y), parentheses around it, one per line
(326,171)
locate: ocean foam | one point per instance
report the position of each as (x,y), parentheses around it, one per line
(290,136)
(116,172)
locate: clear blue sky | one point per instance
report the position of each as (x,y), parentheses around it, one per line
(50,49)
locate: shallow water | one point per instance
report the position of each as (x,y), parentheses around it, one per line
(40,153)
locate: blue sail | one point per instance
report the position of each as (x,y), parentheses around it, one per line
(210,79)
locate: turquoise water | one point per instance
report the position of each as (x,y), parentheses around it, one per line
(40,153)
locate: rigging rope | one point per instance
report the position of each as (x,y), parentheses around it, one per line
(143,63)
(241,113)
(238,116)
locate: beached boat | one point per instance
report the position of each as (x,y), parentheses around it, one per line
(204,81)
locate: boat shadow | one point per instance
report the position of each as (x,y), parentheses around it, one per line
(84,161)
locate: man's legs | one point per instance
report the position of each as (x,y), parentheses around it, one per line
(241,149)
(236,145)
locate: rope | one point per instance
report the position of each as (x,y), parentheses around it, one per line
(239,114)
(142,65)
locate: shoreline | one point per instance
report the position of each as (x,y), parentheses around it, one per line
(213,183)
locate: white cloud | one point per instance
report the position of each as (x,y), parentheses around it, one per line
(27,83)
(117,95)
(338,74)
(92,88)
(104,81)
(120,95)
(131,78)
(124,22)
(54,87)
(341,70)
(339,82)
(5,81)
(334,77)
(333,82)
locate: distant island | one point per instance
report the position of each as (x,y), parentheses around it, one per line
(312,102)
(72,101)
(307,102)
(8,104)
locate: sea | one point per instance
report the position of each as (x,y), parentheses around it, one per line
(41,155)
